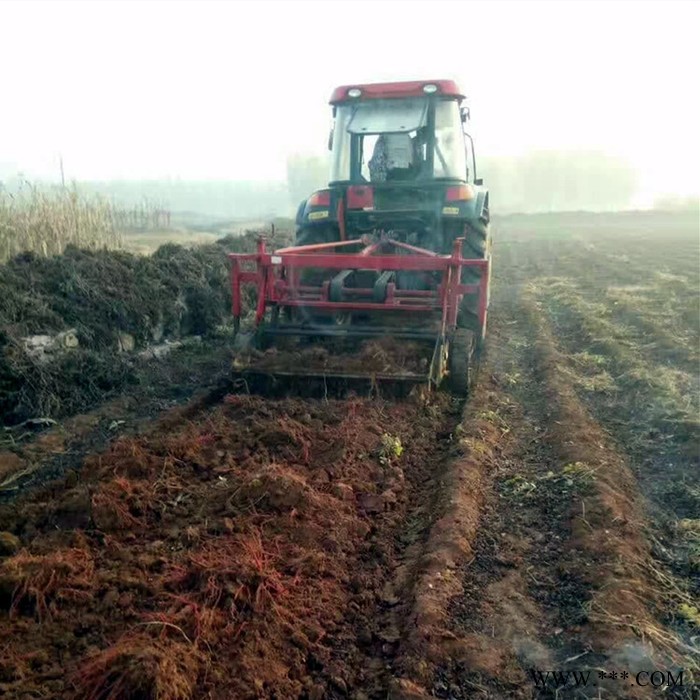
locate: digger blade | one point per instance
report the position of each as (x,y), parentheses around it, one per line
(320,384)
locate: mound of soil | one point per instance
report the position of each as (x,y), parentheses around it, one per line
(102,293)
(104,296)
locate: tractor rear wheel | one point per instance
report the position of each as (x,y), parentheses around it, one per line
(477,246)
(310,235)
(462,362)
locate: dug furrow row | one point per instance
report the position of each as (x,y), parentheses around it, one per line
(651,413)
(667,336)
(562,577)
(659,311)
(667,396)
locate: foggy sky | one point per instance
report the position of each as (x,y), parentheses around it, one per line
(229,89)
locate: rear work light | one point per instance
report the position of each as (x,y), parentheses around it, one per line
(354,92)
(322,198)
(430,88)
(459,193)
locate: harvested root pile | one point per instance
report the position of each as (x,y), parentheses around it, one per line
(110,301)
(222,556)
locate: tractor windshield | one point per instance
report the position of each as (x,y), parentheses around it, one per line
(390,139)
(450,151)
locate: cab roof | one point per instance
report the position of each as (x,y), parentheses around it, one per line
(412,88)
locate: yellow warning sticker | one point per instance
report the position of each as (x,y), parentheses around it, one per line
(450,210)
(314,215)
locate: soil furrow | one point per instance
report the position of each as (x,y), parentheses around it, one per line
(627,609)
(546,589)
(523,602)
(663,402)
(584,326)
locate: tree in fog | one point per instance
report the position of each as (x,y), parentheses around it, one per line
(677,203)
(305,173)
(559,181)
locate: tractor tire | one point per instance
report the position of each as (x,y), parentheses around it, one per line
(309,235)
(477,246)
(462,362)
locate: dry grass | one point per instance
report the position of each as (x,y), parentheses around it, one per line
(46,221)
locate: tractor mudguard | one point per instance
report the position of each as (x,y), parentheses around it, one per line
(320,209)
(473,210)
(481,205)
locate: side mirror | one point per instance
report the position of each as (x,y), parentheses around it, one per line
(330,140)
(478,181)
(464,112)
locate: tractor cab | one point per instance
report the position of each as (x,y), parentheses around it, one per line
(401,132)
(401,164)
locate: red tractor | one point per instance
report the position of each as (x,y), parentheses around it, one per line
(397,245)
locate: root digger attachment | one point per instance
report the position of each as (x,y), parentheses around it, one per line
(341,301)
(388,280)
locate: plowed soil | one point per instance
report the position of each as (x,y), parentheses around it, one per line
(249,547)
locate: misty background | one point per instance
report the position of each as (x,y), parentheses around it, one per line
(220,108)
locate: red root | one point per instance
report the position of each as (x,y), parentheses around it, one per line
(139,667)
(113,505)
(41,581)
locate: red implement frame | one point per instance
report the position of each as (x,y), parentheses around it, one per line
(276,277)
